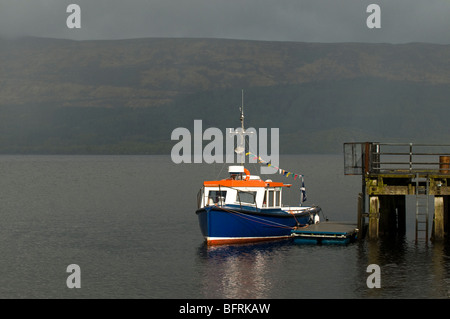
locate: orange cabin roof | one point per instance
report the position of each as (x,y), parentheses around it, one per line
(243,183)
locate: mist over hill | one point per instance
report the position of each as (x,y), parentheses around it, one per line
(127,96)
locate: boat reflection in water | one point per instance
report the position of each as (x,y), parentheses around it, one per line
(240,271)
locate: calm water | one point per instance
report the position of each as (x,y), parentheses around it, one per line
(129,223)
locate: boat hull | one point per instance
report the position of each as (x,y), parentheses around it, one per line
(233,224)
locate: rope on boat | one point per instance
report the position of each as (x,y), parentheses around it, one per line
(293,215)
(254,219)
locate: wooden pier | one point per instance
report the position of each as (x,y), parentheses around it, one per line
(390,172)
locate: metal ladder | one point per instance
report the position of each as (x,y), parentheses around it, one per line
(422,208)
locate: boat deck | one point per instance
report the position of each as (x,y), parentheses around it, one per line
(326,233)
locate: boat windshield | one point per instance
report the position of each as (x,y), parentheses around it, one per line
(217,197)
(246,197)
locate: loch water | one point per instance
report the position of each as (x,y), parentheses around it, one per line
(129,222)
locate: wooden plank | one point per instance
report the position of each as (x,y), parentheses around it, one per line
(405,190)
(438,234)
(374,217)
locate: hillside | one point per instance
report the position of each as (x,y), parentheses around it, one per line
(126,96)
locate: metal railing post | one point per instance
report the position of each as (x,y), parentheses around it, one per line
(410,156)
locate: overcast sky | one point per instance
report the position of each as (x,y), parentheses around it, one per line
(402,21)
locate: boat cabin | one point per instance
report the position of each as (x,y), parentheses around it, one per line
(241,188)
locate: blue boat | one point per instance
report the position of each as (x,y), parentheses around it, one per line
(245,208)
(239,210)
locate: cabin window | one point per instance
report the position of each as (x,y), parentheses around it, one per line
(217,197)
(277,198)
(270,199)
(246,197)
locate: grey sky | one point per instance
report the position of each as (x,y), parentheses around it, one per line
(402,21)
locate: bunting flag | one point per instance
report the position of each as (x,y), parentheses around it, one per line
(282,172)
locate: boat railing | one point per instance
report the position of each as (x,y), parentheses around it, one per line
(200,195)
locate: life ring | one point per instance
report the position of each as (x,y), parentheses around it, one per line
(247,174)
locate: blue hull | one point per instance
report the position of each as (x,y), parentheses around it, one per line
(233,224)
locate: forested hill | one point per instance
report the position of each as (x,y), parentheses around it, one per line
(127,96)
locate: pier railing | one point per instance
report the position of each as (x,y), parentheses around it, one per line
(396,158)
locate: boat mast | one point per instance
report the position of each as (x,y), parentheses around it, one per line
(240,148)
(242,144)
